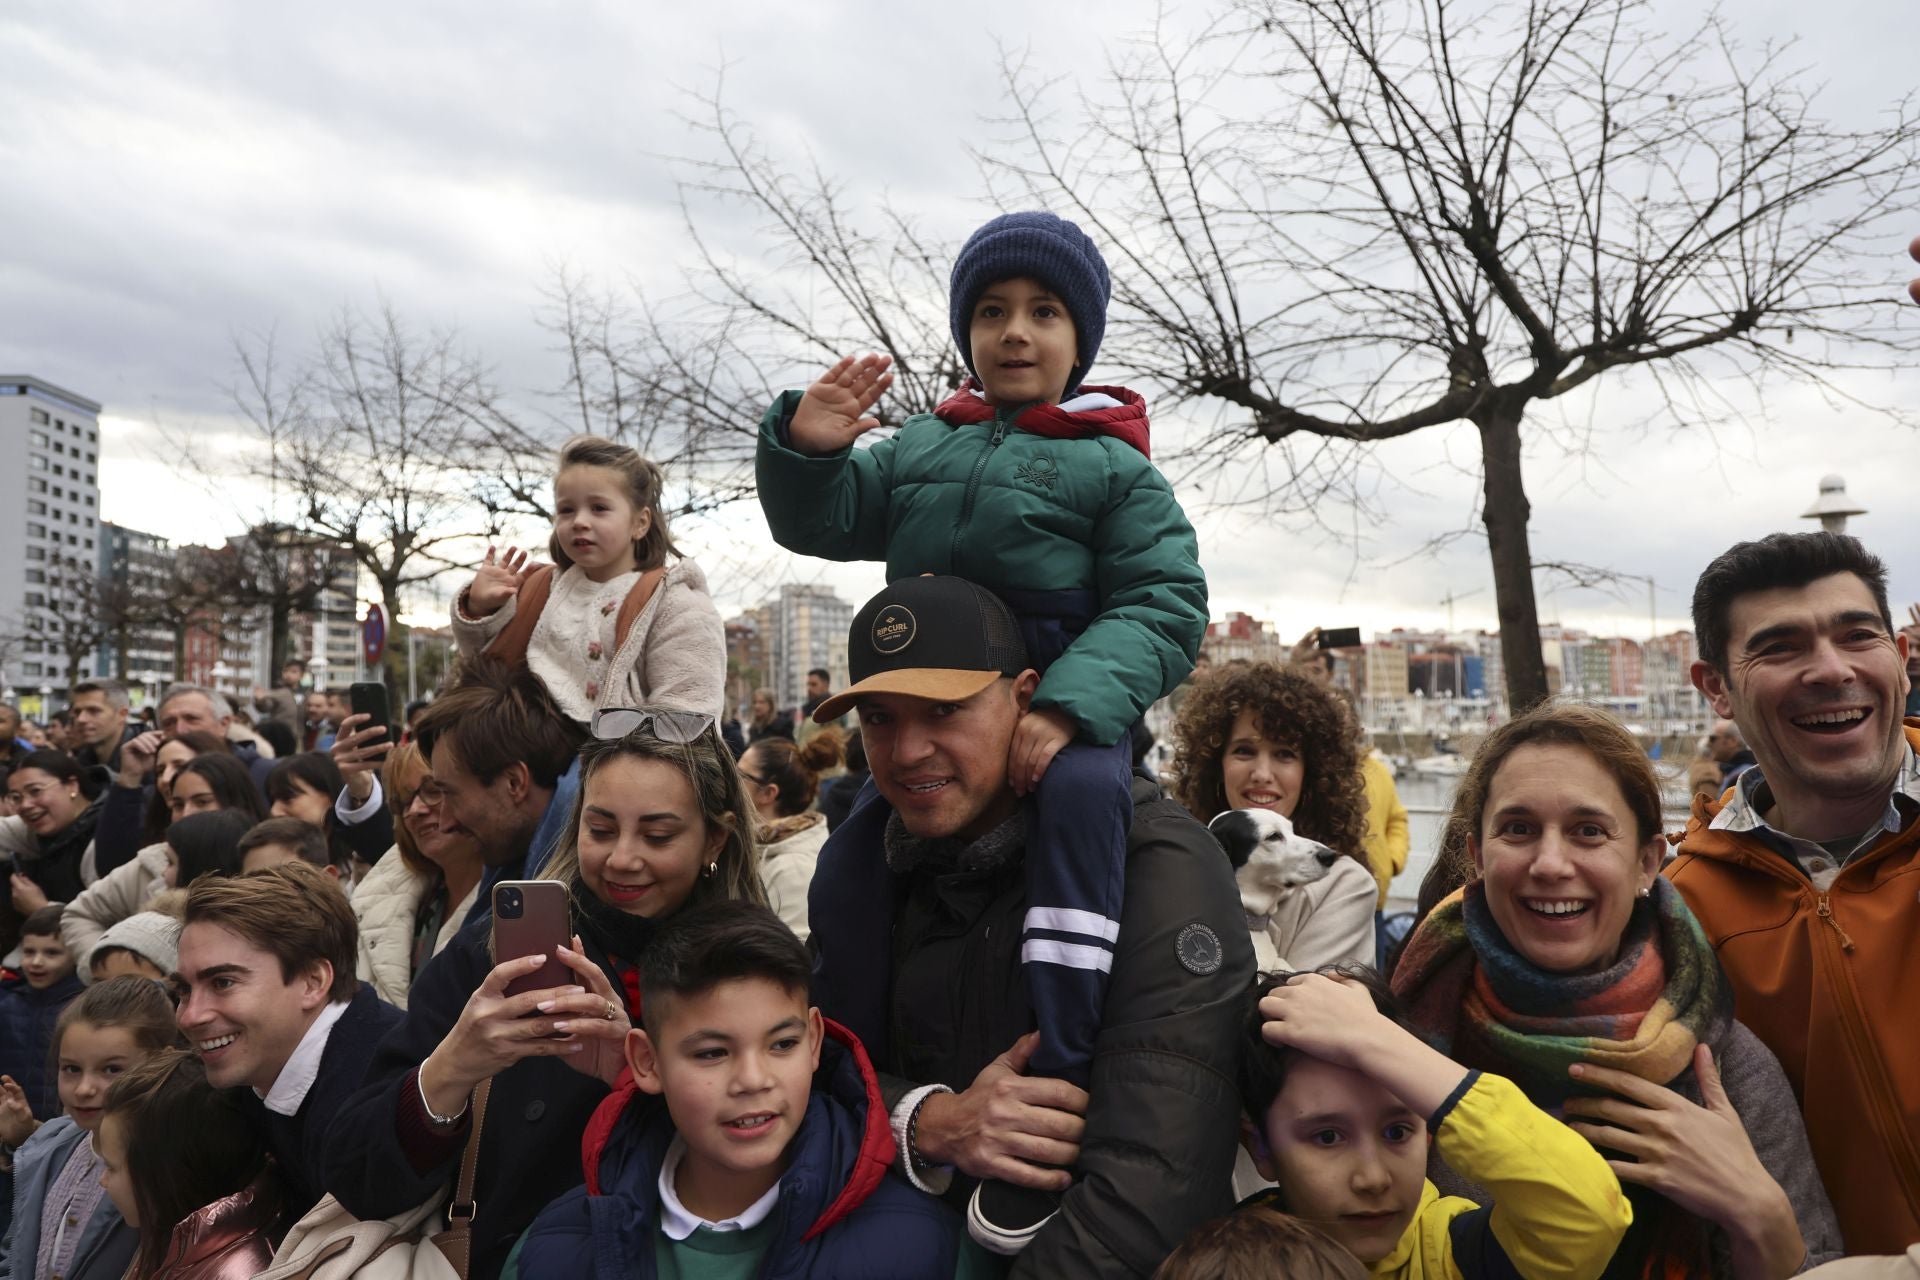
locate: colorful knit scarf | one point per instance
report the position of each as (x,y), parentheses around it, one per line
(1487,1006)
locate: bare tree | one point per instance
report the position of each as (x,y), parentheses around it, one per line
(684,377)
(370,466)
(79,610)
(1346,221)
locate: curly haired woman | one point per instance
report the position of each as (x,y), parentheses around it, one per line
(1261,737)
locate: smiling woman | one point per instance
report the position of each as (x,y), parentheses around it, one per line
(1571,966)
(49,837)
(1264,737)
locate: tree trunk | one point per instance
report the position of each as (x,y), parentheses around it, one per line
(279,639)
(394,674)
(1505,513)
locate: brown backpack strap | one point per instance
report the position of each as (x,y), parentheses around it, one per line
(636,601)
(510,646)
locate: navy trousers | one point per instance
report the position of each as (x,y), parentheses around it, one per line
(1076,859)
(1076,866)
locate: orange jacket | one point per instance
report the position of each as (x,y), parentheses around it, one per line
(1839,974)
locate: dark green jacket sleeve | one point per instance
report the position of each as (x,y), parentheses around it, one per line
(833,506)
(1153,610)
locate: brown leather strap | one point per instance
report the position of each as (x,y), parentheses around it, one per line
(463,1208)
(510,646)
(630,608)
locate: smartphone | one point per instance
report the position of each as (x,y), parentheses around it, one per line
(369,698)
(530,919)
(1330,638)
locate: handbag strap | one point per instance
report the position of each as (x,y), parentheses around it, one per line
(462,1209)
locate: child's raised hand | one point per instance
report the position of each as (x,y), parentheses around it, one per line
(16,1117)
(834,411)
(1037,739)
(1322,1017)
(497,581)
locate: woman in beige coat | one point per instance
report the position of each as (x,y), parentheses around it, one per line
(1265,737)
(415,898)
(782,781)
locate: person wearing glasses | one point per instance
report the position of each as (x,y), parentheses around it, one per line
(662,822)
(412,902)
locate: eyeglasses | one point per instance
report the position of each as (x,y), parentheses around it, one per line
(679,727)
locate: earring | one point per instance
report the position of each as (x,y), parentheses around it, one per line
(1646,892)
(713,869)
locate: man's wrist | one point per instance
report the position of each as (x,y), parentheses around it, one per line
(931,1136)
(929,1175)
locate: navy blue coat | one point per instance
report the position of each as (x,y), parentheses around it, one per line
(299,1141)
(839,1214)
(26,1038)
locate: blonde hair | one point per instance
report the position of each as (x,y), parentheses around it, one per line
(724,803)
(400,777)
(644,482)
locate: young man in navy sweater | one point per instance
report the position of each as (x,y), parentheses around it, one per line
(269,1001)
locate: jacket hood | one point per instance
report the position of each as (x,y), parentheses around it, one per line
(1701,840)
(1090,412)
(839,1156)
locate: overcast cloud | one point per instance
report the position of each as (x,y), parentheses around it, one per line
(176,174)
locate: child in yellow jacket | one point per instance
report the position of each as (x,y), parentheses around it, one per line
(1344,1102)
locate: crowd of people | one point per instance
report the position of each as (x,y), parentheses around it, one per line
(931,977)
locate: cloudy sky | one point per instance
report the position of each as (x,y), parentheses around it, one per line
(177,175)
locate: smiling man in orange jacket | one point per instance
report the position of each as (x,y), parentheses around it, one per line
(1806,874)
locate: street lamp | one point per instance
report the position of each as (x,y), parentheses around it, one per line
(1833,506)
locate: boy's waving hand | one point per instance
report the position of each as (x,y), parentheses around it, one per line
(834,411)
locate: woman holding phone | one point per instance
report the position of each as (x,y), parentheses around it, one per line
(662,821)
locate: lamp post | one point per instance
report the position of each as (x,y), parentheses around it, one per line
(1833,506)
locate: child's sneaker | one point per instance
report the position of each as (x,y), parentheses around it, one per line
(1004,1218)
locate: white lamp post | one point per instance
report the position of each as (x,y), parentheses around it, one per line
(1833,506)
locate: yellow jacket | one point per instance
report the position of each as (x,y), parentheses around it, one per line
(1558,1211)
(1387,837)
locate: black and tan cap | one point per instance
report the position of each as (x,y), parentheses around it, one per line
(939,638)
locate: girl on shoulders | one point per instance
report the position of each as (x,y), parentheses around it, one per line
(621,618)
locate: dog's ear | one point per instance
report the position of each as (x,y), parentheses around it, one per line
(1238,834)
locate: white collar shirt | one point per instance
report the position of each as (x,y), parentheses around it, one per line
(296,1079)
(676,1223)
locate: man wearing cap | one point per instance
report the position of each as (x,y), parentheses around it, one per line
(918,905)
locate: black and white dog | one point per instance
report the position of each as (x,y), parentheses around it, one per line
(1270,860)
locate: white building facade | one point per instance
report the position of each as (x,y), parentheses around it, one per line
(49,517)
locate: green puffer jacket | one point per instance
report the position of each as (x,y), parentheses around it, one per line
(1017,513)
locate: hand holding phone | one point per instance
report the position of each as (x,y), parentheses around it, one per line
(530,919)
(369,698)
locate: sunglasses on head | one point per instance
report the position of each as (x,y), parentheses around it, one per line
(668,726)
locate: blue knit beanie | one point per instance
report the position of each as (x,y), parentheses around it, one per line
(1041,247)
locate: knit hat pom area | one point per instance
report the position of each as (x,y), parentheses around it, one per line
(1040,246)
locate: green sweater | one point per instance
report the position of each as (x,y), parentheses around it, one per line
(1014,511)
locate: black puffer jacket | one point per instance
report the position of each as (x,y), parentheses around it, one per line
(1163,1120)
